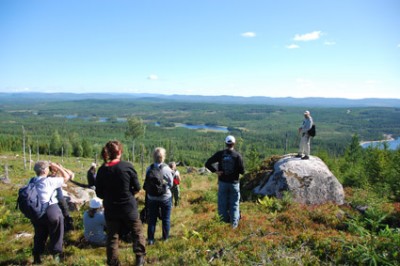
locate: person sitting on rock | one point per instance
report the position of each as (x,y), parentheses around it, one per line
(94,223)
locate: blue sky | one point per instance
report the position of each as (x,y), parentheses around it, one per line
(299,48)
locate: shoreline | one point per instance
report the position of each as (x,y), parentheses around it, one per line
(388,137)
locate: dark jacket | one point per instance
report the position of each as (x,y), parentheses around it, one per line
(91,179)
(217,158)
(116,185)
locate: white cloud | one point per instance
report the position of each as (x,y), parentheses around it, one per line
(329,43)
(308,36)
(292,46)
(152,77)
(23,90)
(249,34)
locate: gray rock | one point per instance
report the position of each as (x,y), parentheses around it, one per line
(23,235)
(309,181)
(203,171)
(5,180)
(77,196)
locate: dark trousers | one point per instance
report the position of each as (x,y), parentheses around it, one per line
(51,224)
(176,194)
(114,226)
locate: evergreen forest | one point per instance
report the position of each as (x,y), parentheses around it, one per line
(272,231)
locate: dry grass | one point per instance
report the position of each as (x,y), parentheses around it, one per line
(296,235)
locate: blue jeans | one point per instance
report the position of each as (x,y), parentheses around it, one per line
(228,202)
(154,210)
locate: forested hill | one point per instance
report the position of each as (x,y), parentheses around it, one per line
(286,101)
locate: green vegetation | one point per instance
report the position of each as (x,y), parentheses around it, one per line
(80,128)
(272,231)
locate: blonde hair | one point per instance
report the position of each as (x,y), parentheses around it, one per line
(159,155)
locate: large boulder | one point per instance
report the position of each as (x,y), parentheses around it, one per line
(309,181)
(77,196)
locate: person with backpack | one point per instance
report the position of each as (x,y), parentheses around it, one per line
(305,136)
(158,184)
(228,165)
(117,183)
(51,223)
(62,202)
(176,194)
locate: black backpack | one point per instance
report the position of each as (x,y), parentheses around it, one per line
(154,183)
(29,202)
(312,132)
(227,163)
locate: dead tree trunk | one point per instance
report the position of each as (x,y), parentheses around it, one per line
(30,158)
(23,146)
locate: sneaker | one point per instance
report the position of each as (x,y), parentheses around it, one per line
(305,157)
(140,260)
(56,258)
(150,242)
(298,156)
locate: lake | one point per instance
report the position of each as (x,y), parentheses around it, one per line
(87,118)
(202,126)
(393,144)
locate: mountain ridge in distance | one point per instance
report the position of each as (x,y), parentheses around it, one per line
(222,99)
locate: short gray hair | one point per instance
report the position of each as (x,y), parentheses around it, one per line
(159,154)
(40,167)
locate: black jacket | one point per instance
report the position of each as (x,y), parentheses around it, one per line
(116,185)
(238,167)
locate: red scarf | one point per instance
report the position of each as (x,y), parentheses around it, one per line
(112,163)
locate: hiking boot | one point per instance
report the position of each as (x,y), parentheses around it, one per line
(298,156)
(305,157)
(37,260)
(140,260)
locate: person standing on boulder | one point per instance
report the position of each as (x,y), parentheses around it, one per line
(230,166)
(305,136)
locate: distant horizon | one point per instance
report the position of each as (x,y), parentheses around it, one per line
(191,95)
